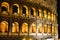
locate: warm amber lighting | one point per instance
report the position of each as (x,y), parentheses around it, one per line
(33,28)
(24,27)
(45,14)
(49,29)
(30,39)
(40,14)
(49,15)
(26,10)
(34,13)
(5,4)
(15,27)
(53,29)
(45,28)
(40,28)
(17,6)
(52,16)
(24,38)
(4,26)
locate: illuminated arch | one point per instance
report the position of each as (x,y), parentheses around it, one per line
(53,29)
(52,17)
(45,14)
(4,26)
(40,28)
(49,15)
(24,27)
(26,10)
(16,5)
(15,27)
(6,5)
(33,28)
(49,29)
(45,28)
(40,13)
(34,11)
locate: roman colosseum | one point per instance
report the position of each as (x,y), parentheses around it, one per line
(28,20)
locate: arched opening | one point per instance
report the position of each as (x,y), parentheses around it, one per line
(33,12)
(45,14)
(25,11)
(33,28)
(52,17)
(53,30)
(5,7)
(56,28)
(24,27)
(40,14)
(40,28)
(45,28)
(15,27)
(49,16)
(4,26)
(15,8)
(49,29)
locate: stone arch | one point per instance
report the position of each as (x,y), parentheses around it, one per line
(26,10)
(40,13)
(33,11)
(15,8)
(25,27)
(33,28)
(45,14)
(45,28)
(5,5)
(40,28)
(49,15)
(49,28)
(15,27)
(52,17)
(4,26)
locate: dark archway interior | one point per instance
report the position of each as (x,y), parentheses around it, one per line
(3,8)
(32,11)
(15,9)
(23,10)
(38,13)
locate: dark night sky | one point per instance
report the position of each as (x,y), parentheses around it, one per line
(58,11)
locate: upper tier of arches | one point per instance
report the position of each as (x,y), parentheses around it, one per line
(27,10)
